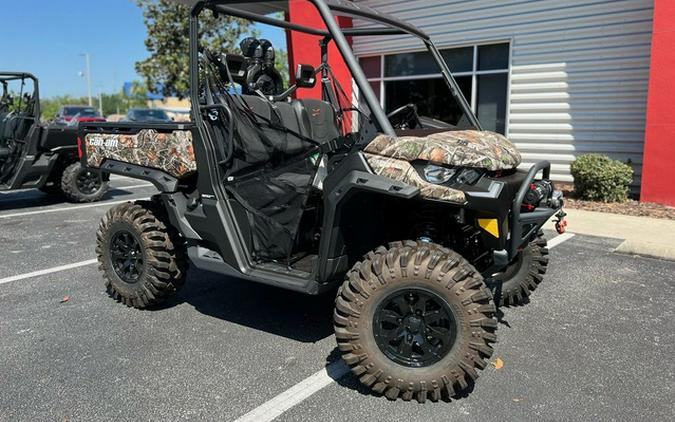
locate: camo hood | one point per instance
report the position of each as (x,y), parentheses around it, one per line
(404,172)
(463,148)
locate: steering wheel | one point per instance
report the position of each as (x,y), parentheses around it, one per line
(405,117)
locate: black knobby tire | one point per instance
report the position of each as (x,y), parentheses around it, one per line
(416,266)
(514,286)
(164,264)
(80,184)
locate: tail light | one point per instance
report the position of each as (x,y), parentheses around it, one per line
(80,152)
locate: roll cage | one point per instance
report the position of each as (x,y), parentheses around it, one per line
(6,77)
(328,9)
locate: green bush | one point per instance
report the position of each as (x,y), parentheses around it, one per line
(599,178)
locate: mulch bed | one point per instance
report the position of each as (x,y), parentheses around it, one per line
(630,207)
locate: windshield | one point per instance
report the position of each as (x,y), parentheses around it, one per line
(150,115)
(83,111)
(88,113)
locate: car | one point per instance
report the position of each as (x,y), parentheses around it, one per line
(86,116)
(420,229)
(36,155)
(67,112)
(147,115)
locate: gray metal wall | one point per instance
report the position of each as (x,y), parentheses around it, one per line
(579,69)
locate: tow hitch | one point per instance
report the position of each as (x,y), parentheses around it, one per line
(561,222)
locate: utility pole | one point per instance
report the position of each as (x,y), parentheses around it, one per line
(100,103)
(88,76)
(116,92)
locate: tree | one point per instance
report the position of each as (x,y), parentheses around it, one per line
(50,106)
(120,103)
(281,63)
(112,103)
(166,70)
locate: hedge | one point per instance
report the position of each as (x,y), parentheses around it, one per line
(599,178)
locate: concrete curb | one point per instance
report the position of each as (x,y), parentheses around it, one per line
(643,236)
(651,250)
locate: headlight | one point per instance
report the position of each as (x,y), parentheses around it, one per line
(437,174)
(469,176)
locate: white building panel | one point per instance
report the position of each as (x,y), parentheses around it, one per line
(579,68)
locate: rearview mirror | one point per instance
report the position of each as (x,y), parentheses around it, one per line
(305,76)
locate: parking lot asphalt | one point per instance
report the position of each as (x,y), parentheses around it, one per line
(596,343)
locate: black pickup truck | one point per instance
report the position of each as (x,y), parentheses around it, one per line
(36,155)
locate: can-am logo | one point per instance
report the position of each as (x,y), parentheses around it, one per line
(99,141)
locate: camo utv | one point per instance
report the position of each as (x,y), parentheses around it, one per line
(423,224)
(37,155)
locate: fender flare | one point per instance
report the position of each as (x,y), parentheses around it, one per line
(335,196)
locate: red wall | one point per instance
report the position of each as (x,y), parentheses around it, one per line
(658,170)
(303,48)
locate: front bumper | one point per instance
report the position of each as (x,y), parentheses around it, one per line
(523,226)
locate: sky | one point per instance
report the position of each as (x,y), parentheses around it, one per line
(46,38)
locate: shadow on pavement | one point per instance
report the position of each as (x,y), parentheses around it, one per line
(351,382)
(296,316)
(19,200)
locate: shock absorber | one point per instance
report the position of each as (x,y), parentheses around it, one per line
(425,227)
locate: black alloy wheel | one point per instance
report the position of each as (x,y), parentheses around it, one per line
(414,327)
(81,184)
(88,182)
(415,321)
(142,256)
(127,257)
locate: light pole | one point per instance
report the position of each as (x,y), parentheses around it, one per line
(88,76)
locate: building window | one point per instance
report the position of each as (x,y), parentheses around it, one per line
(481,71)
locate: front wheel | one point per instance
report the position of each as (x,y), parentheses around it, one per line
(516,283)
(80,184)
(142,259)
(415,321)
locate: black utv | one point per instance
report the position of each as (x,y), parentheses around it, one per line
(36,155)
(421,225)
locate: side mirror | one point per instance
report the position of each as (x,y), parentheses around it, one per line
(305,76)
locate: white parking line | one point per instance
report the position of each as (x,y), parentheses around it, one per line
(559,239)
(38,194)
(144,185)
(73,208)
(295,395)
(299,392)
(47,271)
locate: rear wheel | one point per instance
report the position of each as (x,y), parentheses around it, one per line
(80,184)
(142,259)
(514,286)
(415,321)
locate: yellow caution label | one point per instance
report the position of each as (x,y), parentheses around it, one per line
(490,225)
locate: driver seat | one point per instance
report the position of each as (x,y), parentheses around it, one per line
(318,119)
(313,119)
